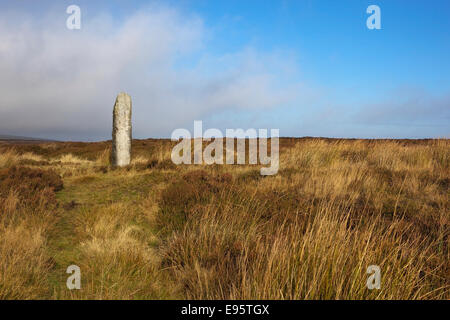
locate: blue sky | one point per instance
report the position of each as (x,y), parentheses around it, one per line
(309,68)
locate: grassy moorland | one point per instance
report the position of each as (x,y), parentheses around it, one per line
(154,230)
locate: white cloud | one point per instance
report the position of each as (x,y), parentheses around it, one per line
(407,106)
(61,83)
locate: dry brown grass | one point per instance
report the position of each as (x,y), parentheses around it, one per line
(26,216)
(154,230)
(8,158)
(311,232)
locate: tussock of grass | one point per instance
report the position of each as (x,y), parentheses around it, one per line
(8,158)
(25,262)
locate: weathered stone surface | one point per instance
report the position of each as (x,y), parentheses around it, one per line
(121,135)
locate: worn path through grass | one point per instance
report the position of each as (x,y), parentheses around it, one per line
(105,227)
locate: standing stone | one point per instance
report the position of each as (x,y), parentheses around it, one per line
(121,135)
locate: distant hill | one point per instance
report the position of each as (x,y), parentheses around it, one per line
(5,137)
